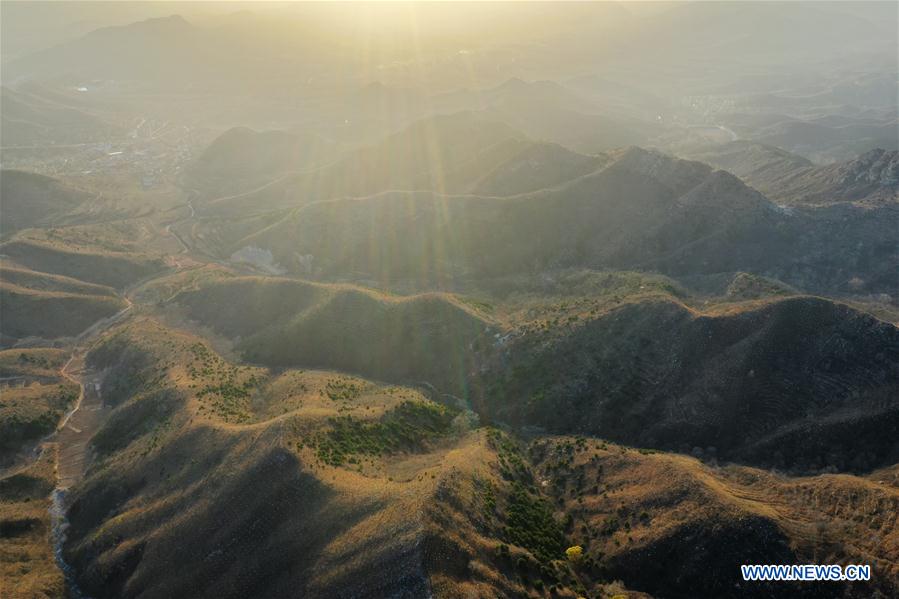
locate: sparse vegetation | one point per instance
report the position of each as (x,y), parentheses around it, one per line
(608,331)
(26,556)
(33,398)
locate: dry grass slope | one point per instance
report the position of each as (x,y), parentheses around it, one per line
(633,511)
(202,457)
(28,567)
(33,397)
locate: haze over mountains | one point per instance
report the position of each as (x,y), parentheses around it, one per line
(401,299)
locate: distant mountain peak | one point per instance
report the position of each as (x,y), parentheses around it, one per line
(722,190)
(680,175)
(512,82)
(172,24)
(518,85)
(169,21)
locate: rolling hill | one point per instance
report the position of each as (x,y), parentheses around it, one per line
(27,556)
(537,166)
(41,281)
(549,111)
(324,512)
(800,383)
(632,509)
(753,162)
(51,314)
(33,200)
(34,115)
(642,210)
(594,362)
(241,159)
(871,180)
(35,396)
(48,306)
(440,153)
(825,142)
(417,339)
(448,300)
(469,152)
(120,52)
(57,282)
(92,264)
(305,467)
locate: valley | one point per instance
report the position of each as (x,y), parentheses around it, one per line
(587,301)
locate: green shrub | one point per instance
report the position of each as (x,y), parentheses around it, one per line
(530,524)
(407,427)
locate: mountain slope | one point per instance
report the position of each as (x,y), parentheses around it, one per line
(213,479)
(643,210)
(440,153)
(38,304)
(633,510)
(51,314)
(870,180)
(548,111)
(92,264)
(802,383)
(424,338)
(35,397)
(241,159)
(537,166)
(34,115)
(753,162)
(167,48)
(33,200)
(41,281)
(28,563)
(270,484)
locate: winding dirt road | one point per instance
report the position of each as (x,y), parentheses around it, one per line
(71,437)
